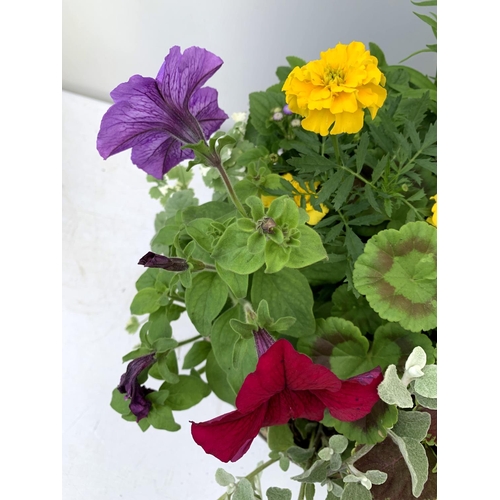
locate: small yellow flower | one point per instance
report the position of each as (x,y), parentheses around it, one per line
(314,215)
(433,219)
(336,89)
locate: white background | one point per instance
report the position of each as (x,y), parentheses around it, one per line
(104,43)
(108,215)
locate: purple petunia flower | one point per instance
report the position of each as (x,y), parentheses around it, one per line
(155,117)
(129,386)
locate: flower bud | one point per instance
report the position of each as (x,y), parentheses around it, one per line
(295,122)
(286,110)
(278,117)
(159,261)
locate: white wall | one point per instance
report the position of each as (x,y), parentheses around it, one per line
(107,41)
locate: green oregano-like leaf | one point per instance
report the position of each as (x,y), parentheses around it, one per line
(274,493)
(355,491)
(414,455)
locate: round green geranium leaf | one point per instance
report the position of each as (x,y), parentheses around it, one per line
(397,274)
(370,429)
(356,309)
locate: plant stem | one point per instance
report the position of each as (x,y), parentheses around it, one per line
(261,467)
(217,163)
(184,342)
(406,202)
(302,491)
(360,453)
(336,148)
(258,470)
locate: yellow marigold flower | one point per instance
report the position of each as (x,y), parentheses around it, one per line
(336,89)
(433,219)
(314,215)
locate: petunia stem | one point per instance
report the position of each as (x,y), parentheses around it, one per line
(192,339)
(252,474)
(216,162)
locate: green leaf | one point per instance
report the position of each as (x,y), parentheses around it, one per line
(161,417)
(261,106)
(392,391)
(178,201)
(343,192)
(119,403)
(357,310)
(236,358)
(199,230)
(217,380)
(393,344)
(145,301)
(315,474)
(243,491)
(310,250)
(309,491)
(132,325)
(164,344)
(414,455)
(197,354)
(280,438)
(165,237)
(205,299)
(224,478)
(216,210)
(136,353)
(361,151)
(238,283)
(295,61)
(430,403)
(356,491)
(353,243)
(244,362)
(276,257)
(231,252)
(413,424)
(313,164)
(188,392)
(427,20)
(147,279)
(370,429)
(338,443)
(376,51)
(426,386)
(159,325)
(299,455)
(396,273)
(288,294)
(387,457)
(337,343)
(158,397)
(426,3)
(274,493)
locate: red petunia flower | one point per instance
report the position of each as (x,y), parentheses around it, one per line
(285,385)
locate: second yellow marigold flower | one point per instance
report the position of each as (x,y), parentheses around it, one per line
(314,215)
(335,89)
(433,219)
